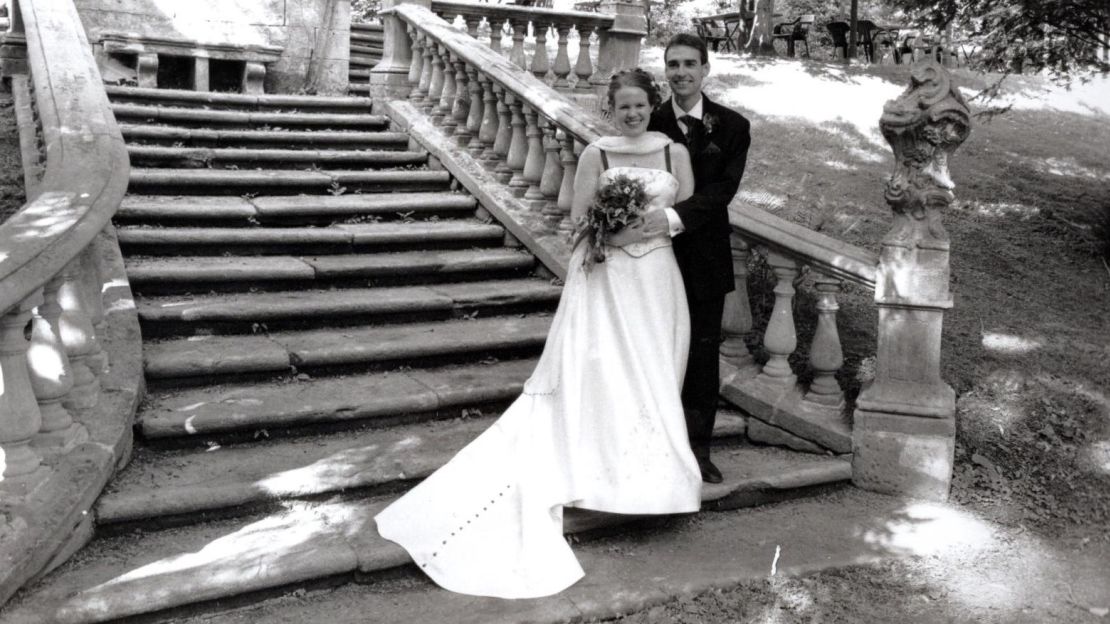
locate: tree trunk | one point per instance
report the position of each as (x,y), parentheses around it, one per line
(762,24)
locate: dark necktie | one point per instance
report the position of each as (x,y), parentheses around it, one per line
(693,129)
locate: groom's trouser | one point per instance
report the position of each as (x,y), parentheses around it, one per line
(703,372)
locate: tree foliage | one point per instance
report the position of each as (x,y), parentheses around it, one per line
(1066,38)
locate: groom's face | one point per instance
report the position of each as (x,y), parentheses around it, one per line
(685,71)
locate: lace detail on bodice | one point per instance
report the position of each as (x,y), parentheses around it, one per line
(661,188)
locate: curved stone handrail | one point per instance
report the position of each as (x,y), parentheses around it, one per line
(86,161)
(69,390)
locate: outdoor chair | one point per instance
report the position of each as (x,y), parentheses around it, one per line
(714,35)
(839,33)
(798,30)
(865,30)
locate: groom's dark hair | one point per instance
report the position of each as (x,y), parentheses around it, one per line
(690,40)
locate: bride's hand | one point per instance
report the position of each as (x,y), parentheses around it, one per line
(632,233)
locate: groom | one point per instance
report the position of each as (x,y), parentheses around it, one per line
(718,140)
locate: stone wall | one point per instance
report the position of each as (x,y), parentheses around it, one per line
(315,34)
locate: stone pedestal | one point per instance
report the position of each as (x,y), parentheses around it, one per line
(903,435)
(389,79)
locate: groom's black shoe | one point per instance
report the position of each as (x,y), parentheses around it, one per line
(709,472)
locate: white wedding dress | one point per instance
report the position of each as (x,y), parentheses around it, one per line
(599,426)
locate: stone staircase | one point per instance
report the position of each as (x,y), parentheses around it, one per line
(366,50)
(326,319)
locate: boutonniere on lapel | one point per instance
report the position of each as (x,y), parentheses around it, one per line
(710,122)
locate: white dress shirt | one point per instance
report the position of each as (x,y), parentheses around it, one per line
(674,222)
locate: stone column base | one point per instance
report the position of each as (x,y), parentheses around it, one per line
(386,84)
(903,455)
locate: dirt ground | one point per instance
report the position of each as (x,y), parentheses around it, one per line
(11,170)
(1026,346)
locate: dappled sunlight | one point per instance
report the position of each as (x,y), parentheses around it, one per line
(925,528)
(47,216)
(840,165)
(247,552)
(45,361)
(1066,166)
(787,88)
(1001,209)
(1091,98)
(1099,455)
(1009,344)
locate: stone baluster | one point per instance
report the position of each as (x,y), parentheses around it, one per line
(738,311)
(562,57)
(20,419)
(781,339)
(534,161)
(825,354)
(583,68)
(435,87)
(606,65)
(460,111)
(472,22)
(540,63)
(904,426)
(566,189)
(487,134)
(50,373)
(496,29)
(476,113)
(504,135)
(516,55)
(79,339)
(518,147)
(416,67)
(552,178)
(146,70)
(93,282)
(443,113)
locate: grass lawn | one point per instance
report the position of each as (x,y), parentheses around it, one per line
(1026,346)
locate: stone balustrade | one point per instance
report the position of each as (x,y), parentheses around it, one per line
(599,43)
(53,320)
(503,114)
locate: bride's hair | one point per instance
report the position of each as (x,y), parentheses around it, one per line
(638,78)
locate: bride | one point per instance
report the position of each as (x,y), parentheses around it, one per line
(600,423)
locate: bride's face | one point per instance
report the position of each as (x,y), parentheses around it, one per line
(631,111)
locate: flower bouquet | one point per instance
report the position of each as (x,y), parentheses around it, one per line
(616,204)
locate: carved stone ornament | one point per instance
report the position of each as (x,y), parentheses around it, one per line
(924,126)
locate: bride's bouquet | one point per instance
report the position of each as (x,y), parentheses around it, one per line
(616,204)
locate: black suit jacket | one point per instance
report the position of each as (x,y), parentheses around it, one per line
(702,249)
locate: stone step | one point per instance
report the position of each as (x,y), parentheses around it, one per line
(211,100)
(339,238)
(367,27)
(251,271)
(358,87)
(376,399)
(202,157)
(364,60)
(364,37)
(169,135)
(237,182)
(368,48)
(359,74)
(148,573)
(208,117)
(194,481)
(277,209)
(277,352)
(365,304)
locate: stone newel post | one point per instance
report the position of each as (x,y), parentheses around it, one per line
(619,46)
(903,437)
(389,78)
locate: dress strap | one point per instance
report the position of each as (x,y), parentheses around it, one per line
(604,160)
(667,155)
